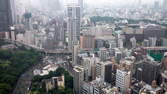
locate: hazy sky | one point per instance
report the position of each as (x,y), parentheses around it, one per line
(95,2)
(116,2)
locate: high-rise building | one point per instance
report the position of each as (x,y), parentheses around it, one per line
(147,71)
(73,25)
(106,71)
(6,15)
(78,79)
(99,69)
(123,80)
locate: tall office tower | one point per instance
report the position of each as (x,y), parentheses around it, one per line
(73,25)
(78,79)
(123,80)
(6,15)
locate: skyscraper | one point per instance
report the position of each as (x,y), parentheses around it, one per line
(73,25)
(6,14)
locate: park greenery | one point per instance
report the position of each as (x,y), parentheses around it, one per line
(13,63)
(37,81)
(108,19)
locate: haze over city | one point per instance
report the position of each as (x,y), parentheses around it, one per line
(97,3)
(83,46)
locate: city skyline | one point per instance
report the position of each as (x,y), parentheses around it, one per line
(83,47)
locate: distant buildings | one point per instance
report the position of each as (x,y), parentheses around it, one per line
(164,5)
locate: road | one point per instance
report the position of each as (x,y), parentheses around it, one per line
(24,82)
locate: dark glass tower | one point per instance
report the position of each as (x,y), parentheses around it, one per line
(6,14)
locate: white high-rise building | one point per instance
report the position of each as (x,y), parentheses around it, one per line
(73,24)
(78,79)
(123,79)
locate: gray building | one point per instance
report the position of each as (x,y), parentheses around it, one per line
(78,79)
(73,25)
(147,71)
(103,54)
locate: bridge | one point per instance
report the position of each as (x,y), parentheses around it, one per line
(46,51)
(156,48)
